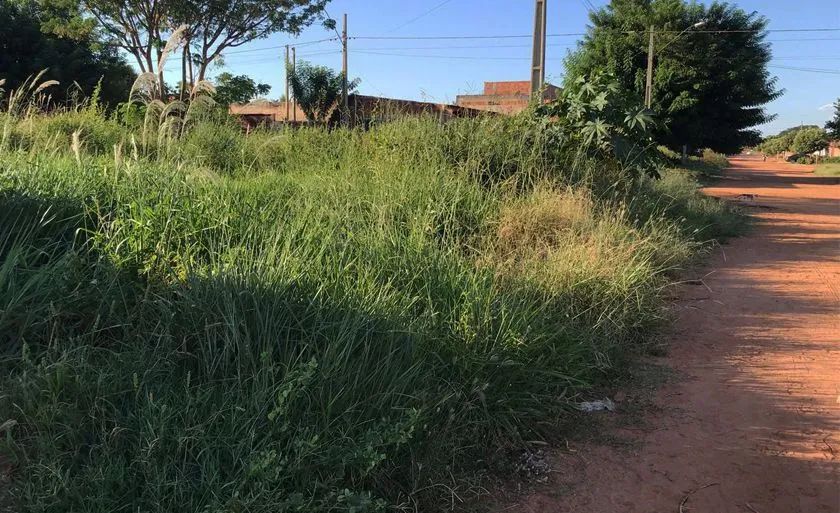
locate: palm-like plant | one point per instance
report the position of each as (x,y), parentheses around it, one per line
(317,89)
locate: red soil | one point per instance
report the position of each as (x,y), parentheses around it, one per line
(753,423)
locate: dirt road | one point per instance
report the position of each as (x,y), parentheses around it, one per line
(752,425)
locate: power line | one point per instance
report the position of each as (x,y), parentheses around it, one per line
(458,57)
(569,34)
(810,70)
(423,15)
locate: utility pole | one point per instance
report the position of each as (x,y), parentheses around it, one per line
(294,103)
(345,107)
(649,78)
(538,57)
(288,99)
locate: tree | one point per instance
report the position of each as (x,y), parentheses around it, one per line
(34,37)
(809,140)
(833,125)
(709,88)
(317,89)
(783,141)
(206,28)
(237,89)
(218,25)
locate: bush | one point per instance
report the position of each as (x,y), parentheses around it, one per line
(97,133)
(216,146)
(715,159)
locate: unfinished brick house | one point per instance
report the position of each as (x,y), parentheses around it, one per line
(505,97)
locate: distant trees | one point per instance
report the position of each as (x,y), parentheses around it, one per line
(317,89)
(800,139)
(832,127)
(35,36)
(708,88)
(237,89)
(809,140)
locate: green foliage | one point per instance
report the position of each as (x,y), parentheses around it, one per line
(205,29)
(237,89)
(97,134)
(809,140)
(783,141)
(832,126)
(213,27)
(35,37)
(716,159)
(340,322)
(604,123)
(317,90)
(693,71)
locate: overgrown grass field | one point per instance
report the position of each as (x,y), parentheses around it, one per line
(828,168)
(312,320)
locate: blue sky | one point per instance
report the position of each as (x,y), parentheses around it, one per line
(438,70)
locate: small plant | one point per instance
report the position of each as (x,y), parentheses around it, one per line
(605,123)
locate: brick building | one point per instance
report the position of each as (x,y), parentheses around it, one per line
(505,97)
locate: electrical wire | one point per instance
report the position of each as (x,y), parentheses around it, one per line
(568,34)
(423,15)
(457,57)
(810,70)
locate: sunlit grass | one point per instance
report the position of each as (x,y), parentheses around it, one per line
(311,320)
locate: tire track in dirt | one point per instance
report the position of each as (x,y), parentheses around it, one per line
(753,423)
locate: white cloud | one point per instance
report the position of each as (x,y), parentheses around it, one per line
(826,106)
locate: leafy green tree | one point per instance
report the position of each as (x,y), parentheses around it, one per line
(317,89)
(809,140)
(35,36)
(783,141)
(833,125)
(709,88)
(206,28)
(218,25)
(237,89)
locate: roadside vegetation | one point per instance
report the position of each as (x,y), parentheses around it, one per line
(193,319)
(828,167)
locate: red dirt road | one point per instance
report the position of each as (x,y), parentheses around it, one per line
(752,425)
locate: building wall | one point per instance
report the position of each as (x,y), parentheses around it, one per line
(505,97)
(363,110)
(508,104)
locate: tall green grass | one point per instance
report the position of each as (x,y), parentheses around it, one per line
(312,320)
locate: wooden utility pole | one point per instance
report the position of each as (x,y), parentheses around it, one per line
(288,99)
(294,103)
(538,57)
(345,107)
(649,78)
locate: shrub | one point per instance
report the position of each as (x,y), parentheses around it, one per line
(716,159)
(98,134)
